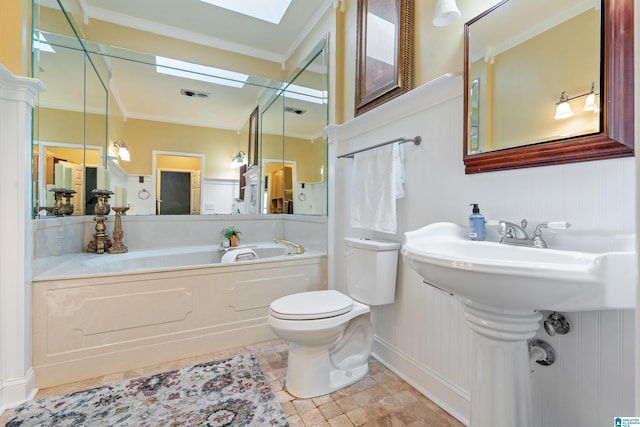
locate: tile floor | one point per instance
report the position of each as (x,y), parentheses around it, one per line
(380,399)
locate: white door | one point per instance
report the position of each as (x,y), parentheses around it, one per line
(195,192)
(77,184)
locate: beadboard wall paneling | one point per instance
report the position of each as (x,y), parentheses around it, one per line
(422,336)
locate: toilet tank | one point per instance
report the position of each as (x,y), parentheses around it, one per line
(370,267)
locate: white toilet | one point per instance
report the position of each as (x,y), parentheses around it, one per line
(329,333)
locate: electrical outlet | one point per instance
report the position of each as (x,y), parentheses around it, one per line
(209,206)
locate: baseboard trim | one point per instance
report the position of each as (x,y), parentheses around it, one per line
(449,397)
(15,391)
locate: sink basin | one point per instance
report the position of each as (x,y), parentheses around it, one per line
(578,272)
(503,287)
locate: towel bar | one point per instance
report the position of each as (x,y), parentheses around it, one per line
(416,141)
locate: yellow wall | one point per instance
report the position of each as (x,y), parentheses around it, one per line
(53,125)
(528,91)
(436,50)
(178,162)
(15,38)
(218,145)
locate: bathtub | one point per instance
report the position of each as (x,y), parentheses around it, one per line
(98,314)
(158,259)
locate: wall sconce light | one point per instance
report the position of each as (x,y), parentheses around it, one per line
(122,150)
(447,13)
(563,109)
(239,159)
(590,103)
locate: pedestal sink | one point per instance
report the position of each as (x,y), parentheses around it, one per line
(502,287)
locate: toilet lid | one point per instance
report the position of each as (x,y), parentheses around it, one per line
(311,305)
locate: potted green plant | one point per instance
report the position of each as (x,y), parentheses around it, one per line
(232,235)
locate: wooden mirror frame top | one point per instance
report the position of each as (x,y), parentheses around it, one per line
(615,138)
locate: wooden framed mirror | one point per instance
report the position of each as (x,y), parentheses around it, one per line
(612,135)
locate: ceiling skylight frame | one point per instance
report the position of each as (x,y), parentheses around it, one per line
(266,10)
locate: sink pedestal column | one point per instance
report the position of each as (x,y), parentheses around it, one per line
(501,385)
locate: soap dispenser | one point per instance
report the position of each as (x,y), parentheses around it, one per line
(477,229)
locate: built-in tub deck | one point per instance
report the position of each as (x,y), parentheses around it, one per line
(97,314)
(156,259)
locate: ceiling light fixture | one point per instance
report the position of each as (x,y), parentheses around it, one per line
(122,150)
(447,13)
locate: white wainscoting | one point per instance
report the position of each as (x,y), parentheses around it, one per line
(422,336)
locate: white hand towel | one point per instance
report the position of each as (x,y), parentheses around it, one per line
(376,183)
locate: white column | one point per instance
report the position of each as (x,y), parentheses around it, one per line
(500,385)
(17,95)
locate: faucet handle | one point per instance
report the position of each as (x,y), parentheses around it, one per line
(558,225)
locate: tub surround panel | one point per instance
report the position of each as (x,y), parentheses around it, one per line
(104,314)
(70,235)
(422,335)
(91,326)
(251,294)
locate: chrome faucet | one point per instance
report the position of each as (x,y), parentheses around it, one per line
(295,247)
(514,233)
(517,235)
(538,241)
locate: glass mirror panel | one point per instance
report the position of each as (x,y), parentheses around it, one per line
(297,183)
(272,163)
(522,57)
(548,82)
(159,107)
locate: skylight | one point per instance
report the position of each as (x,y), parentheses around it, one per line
(188,70)
(266,10)
(303,93)
(42,45)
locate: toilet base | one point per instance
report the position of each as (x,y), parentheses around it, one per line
(310,373)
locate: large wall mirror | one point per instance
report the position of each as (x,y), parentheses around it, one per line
(294,148)
(182,124)
(548,82)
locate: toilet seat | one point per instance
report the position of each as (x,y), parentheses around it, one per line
(311,305)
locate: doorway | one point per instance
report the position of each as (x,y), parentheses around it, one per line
(178,179)
(175,193)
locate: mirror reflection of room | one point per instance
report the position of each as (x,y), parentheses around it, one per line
(537,64)
(99,94)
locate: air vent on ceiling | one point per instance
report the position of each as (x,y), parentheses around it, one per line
(194,93)
(294,110)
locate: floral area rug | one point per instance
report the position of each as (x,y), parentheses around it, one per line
(230,392)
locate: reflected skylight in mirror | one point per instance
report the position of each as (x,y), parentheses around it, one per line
(380,39)
(265,10)
(188,70)
(41,44)
(305,94)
